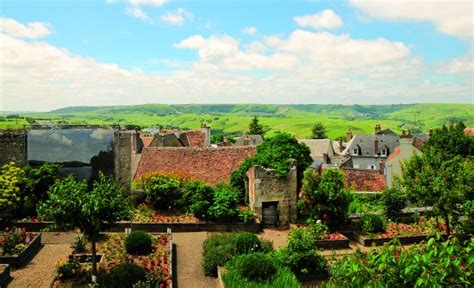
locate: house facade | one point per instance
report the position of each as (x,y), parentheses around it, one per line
(393,165)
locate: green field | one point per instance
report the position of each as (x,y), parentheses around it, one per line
(234,119)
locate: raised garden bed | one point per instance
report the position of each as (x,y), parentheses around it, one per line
(367,241)
(162,227)
(30,250)
(334,241)
(4,275)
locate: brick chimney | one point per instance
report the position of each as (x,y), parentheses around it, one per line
(376,146)
(378,129)
(349,134)
(207,135)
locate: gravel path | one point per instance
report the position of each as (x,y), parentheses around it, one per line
(189,249)
(39,272)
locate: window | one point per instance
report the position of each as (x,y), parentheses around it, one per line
(372,167)
(384,152)
(356,151)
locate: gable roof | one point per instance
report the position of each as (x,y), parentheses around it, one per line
(318,147)
(146,140)
(364,180)
(366,143)
(210,165)
(394,154)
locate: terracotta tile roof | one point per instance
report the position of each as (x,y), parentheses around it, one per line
(364,180)
(146,140)
(394,154)
(469,131)
(211,165)
(196,138)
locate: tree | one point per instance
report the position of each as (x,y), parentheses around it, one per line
(451,141)
(37,182)
(11,182)
(275,153)
(325,196)
(92,211)
(255,128)
(319,131)
(444,184)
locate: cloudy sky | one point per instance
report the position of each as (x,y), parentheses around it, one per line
(66,53)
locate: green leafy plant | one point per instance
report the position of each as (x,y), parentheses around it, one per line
(224,206)
(246,216)
(126,275)
(197,198)
(372,223)
(325,196)
(256,267)
(163,191)
(432,264)
(394,201)
(319,229)
(79,244)
(139,243)
(69,270)
(366,203)
(246,242)
(11,183)
(283,278)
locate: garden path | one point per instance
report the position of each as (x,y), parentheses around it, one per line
(40,271)
(189,249)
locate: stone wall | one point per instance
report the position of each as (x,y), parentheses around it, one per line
(264,186)
(13,148)
(122,158)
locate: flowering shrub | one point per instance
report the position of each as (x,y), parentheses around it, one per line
(69,270)
(13,242)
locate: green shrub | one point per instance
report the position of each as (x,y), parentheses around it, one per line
(246,216)
(394,201)
(69,270)
(79,245)
(126,275)
(435,264)
(163,191)
(366,203)
(139,243)
(217,250)
(319,229)
(283,278)
(256,267)
(224,207)
(197,199)
(266,246)
(246,242)
(301,239)
(372,223)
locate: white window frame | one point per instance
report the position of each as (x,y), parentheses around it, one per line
(355,151)
(383,152)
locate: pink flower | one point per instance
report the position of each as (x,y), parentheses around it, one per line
(325,217)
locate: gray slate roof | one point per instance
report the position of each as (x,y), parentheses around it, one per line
(366,143)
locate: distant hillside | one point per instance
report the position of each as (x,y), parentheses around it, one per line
(295,119)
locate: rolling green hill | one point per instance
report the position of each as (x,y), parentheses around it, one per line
(234,119)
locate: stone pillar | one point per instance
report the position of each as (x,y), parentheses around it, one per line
(14,148)
(123,159)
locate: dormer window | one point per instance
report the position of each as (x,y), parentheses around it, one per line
(356,151)
(384,152)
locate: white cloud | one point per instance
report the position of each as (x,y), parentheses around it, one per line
(177,18)
(61,139)
(326,19)
(249,30)
(302,67)
(137,12)
(156,3)
(454,18)
(32,30)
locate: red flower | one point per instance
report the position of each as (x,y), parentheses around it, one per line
(325,217)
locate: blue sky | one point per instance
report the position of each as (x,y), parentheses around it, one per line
(156,51)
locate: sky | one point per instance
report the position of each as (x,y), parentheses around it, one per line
(56,53)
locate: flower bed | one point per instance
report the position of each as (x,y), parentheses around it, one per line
(333,240)
(4,275)
(405,233)
(157,264)
(18,247)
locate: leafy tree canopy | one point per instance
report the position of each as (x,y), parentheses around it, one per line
(450,141)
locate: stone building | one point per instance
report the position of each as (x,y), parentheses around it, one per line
(273,199)
(13,147)
(393,165)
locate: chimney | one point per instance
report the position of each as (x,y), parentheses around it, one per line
(349,134)
(376,146)
(341,148)
(325,158)
(378,129)
(207,135)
